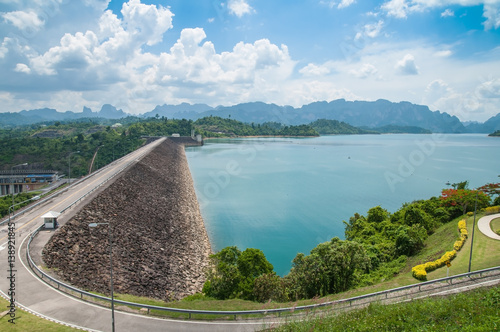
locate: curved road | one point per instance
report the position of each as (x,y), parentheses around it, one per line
(484,226)
(35,296)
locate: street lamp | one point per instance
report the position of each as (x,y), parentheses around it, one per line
(92,225)
(69,165)
(473,227)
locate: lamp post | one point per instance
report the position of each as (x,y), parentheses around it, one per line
(92,225)
(473,227)
(69,165)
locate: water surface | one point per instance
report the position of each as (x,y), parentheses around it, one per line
(286,195)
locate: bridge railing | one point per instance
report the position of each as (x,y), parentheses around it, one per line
(387,296)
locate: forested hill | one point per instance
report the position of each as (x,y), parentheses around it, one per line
(334,127)
(214,126)
(369,114)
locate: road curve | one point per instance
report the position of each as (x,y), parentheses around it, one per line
(484,226)
(35,296)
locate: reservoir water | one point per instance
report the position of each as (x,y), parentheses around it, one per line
(286,195)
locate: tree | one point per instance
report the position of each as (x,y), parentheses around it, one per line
(232,273)
(270,287)
(464,198)
(410,239)
(330,268)
(223,275)
(252,263)
(416,216)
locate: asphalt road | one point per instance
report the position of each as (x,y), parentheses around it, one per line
(35,296)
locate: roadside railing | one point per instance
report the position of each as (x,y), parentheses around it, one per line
(399,294)
(59,192)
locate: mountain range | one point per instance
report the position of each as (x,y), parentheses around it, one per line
(364,114)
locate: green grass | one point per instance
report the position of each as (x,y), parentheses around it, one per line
(486,253)
(495,225)
(27,322)
(477,310)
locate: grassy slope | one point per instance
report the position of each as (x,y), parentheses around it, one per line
(486,253)
(495,225)
(477,310)
(28,322)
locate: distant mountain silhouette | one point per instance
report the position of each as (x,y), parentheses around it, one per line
(364,114)
(181,111)
(490,126)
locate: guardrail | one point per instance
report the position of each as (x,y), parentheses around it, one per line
(392,295)
(46,199)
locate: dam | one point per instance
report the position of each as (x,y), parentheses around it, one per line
(160,244)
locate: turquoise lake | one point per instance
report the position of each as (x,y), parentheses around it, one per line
(286,195)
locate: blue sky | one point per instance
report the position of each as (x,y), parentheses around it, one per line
(138,54)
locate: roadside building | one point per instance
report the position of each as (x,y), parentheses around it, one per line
(25,180)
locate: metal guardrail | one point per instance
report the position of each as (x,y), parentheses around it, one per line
(46,199)
(392,295)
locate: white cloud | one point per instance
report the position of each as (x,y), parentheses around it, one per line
(22,68)
(364,71)
(24,20)
(341,5)
(407,66)
(448,13)
(373,30)
(239,7)
(443,54)
(402,8)
(489,89)
(492,15)
(397,8)
(313,70)
(146,22)
(345,3)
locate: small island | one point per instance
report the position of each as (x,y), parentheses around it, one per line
(495,134)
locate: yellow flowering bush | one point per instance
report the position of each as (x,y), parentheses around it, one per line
(492,209)
(420,271)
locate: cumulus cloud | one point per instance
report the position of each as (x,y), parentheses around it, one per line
(239,7)
(146,22)
(24,20)
(407,66)
(22,68)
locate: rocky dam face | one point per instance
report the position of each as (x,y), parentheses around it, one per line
(160,244)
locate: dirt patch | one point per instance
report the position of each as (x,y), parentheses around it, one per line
(160,245)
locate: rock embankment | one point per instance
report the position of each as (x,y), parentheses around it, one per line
(160,244)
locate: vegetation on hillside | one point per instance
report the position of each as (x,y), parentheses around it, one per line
(376,248)
(214,126)
(334,127)
(395,129)
(495,134)
(6,202)
(477,310)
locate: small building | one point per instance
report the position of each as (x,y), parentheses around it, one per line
(17,181)
(50,219)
